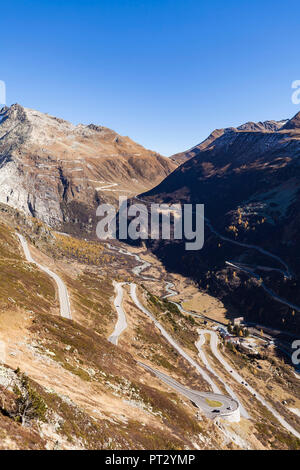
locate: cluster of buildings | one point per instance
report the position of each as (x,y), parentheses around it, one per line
(227,336)
(243,344)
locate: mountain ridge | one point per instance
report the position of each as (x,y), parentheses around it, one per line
(248,181)
(53,169)
(263,126)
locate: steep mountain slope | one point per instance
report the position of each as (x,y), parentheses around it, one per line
(249,181)
(87,393)
(59,172)
(229,131)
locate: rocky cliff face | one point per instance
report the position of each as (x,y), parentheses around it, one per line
(59,172)
(249,180)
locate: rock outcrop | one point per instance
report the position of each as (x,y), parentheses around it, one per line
(60,172)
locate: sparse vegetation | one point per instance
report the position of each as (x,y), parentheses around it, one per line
(29,404)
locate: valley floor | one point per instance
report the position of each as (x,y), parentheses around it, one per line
(128,367)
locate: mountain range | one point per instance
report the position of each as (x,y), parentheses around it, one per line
(59,172)
(118,347)
(248,178)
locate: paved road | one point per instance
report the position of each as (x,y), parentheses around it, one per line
(108,186)
(2,351)
(121,324)
(65,309)
(213,344)
(241,380)
(203,358)
(171,340)
(169,285)
(266,289)
(287,273)
(229,406)
(176,346)
(137,269)
(170,289)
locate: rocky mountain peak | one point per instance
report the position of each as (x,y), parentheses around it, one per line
(228,134)
(59,172)
(293,123)
(15,112)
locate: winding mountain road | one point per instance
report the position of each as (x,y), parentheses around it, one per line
(229,407)
(169,338)
(241,380)
(108,186)
(215,351)
(121,324)
(287,272)
(65,309)
(263,285)
(203,358)
(217,394)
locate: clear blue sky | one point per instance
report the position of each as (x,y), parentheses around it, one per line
(164,72)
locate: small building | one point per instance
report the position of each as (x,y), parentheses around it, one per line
(237,321)
(223,332)
(235,340)
(227,338)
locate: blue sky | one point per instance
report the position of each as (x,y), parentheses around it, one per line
(164,72)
